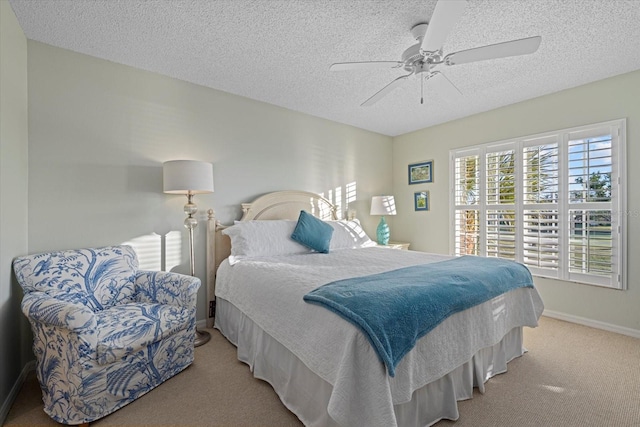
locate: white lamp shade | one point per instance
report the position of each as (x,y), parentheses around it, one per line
(383,205)
(187,176)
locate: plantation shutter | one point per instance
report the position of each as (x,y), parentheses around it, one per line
(593,248)
(541,216)
(500,204)
(554,202)
(466,200)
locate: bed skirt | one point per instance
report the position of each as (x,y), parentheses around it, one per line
(307,395)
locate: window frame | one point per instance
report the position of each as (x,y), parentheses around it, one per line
(618,202)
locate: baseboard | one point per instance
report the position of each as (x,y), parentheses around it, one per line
(201,324)
(592,323)
(6,405)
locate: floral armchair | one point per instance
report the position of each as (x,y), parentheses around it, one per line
(104,332)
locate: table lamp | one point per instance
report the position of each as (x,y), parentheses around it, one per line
(383,205)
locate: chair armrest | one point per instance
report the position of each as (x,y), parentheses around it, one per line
(53,311)
(163,287)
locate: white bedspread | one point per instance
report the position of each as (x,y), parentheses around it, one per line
(270,289)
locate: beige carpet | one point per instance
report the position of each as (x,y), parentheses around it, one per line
(572,376)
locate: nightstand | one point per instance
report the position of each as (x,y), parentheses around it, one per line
(404,246)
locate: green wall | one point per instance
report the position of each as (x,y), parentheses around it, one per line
(15,341)
(99,132)
(612,98)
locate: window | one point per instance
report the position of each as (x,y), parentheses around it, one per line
(554,202)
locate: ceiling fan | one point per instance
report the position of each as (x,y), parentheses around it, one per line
(422,58)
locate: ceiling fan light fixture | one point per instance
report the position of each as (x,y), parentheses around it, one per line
(419,30)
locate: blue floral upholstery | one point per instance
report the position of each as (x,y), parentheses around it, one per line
(104,332)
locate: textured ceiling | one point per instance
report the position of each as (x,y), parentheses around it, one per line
(279,51)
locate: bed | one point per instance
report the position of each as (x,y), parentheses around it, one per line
(323,368)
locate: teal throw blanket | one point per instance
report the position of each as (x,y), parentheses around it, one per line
(396,308)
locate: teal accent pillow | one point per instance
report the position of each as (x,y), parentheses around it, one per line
(313,233)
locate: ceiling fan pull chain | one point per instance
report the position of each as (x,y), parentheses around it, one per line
(421,90)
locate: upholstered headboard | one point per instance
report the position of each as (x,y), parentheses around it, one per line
(277,205)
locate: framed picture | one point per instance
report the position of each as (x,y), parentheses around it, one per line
(421,172)
(421,200)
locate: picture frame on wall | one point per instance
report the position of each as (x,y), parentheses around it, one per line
(420,173)
(421,200)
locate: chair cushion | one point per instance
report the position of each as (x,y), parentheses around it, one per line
(98,278)
(129,328)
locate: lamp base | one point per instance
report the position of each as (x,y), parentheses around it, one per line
(202,337)
(383,232)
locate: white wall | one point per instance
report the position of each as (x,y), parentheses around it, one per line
(14,342)
(604,100)
(99,132)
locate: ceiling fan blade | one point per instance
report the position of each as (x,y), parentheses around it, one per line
(493,51)
(444,86)
(368,65)
(384,91)
(445,16)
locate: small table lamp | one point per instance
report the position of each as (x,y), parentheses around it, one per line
(383,205)
(189,177)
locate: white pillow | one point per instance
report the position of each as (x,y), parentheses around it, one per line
(349,235)
(262,238)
